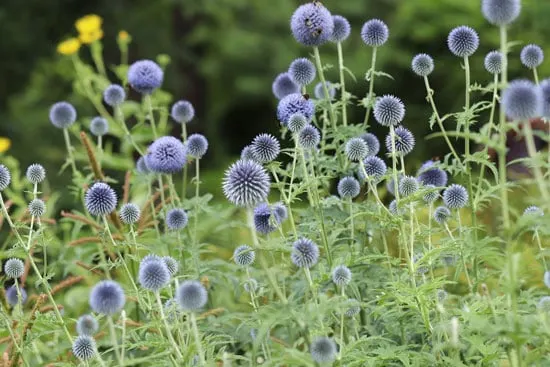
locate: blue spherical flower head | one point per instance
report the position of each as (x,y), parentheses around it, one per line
(342,29)
(283,85)
(153,275)
(145,76)
(129,213)
(5,177)
(305,253)
(250,285)
(196,145)
(533,211)
(37,208)
(166,155)
(455,196)
(87,325)
(262,219)
(341,275)
(375,168)
(312,24)
(493,62)
(408,185)
(302,72)
(107,297)
(100,199)
(546,278)
(247,154)
(141,166)
(431,195)
(354,307)
(532,56)
(545,92)
(182,112)
(309,137)
(372,142)
(14,268)
(99,126)
(463,41)
(176,219)
(84,347)
(500,12)
(441,214)
(246,184)
(522,100)
(244,255)
(319,91)
(294,103)
(12,296)
(191,295)
(114,95)
(35,173)
(323,350)
(392,186)
(348,188)
(62,114)
(171,264)
(375,33)
(422,65)
(404,141)
(150,257)
(265,148)
(389,110)
(297,123)
(280,212)
(356,149)
(429,174)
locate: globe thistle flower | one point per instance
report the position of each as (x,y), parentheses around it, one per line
(35,173)
(247,154)
(393,186)
(431,194)
(99,126)
(430,175)
(522,100)
(546,278)
(323,350)
(532,56)
(389,110)
(100,199)
(545,91)
(312,24)
(280,213)
(5,177)
(441,214)
(196,145)
(191,295)
(114,95)
(372,142)
(422,65)
(12,297)
(84,347)
(62,114)
(87,325)
(463,41)
(375,167)
(37,208)
(533,211)
(356,149)
(353,307)
(14,268)
(294,103)
(171,264)
(319,91)
(262,219)
(305,253)
(176,219)
(182,112)
(394,208)
(408,185)
(107,297)
(250,285)
(166,155)
(404,141)
(129,213)
(153,275)
(441,295)
(141,166)
(348,188)
(144,76)
(455,196)
(297,122)
(302,72)
(283,85)
(500,12)
(375,33)
(265,148)
(244,255)
(150,257)
(544,304)
(493,62)
(309,137)
(417,258)
(341,275)
(246,183)
(342,29)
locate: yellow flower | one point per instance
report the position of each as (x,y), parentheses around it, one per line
(123,36)
(5,144)
(89,23)
(90,37)
(69,46)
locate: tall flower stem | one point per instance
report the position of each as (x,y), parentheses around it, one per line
(69,150)
(184,183)
(286,200)
(539,243)
(467,111)
(325,87)
(114,341)
(343,95)
(197,337)
(532,150)
(502,129)
(352,229)
(370,95)
(167,327)
(394,163)
(149,105)
(342,342)
(119,117)
(196,214)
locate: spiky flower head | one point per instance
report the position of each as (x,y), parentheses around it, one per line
(166,155)
(150,257)
(422,65)
(176,219)
(191,295)
(305,253)
(441,214)
(153,275)
(62,114)
(354,307)
(283,85)
(14,268)
(246,183)
(375,168)
(404,141)
(312,24)
(522,100)
(182,112)
(244,255)
(348,188)
(35,173)
(99,126)
(394,208)
(294,103)
(129,213)
(37,208)
(532,56)
(372,142)
(297,122)
(107,297)
(309,137)
(171,264)
(408,185)
(319,91)
(141,166)
(84,347)
(114,95)
(493,62)
(265,148)
(100,199)
(342,29)
(280,212)
(533,211)
(341,275)
(87,325)
(247,154)
(302,72)
(323,350)
(545,91)
(500,12)
(389,110)
(196,145)
(393,186)
(429,174)
(250,285)
(5,177)
(144,76)
(431,195)
(356,149)
(12,296)
(455,196)
(463,41)
(262,219)
(375,33)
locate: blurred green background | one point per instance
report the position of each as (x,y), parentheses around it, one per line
(225,54)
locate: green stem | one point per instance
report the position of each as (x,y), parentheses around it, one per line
(69,150)
(184,183)
(532,150)
(119,116)
(167,327)
(343,95)
(502,125)
(286,200)
(325,87)
(114,340)
(151,116)
(467,111)
(370,95)
(539,243)
(197,339)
